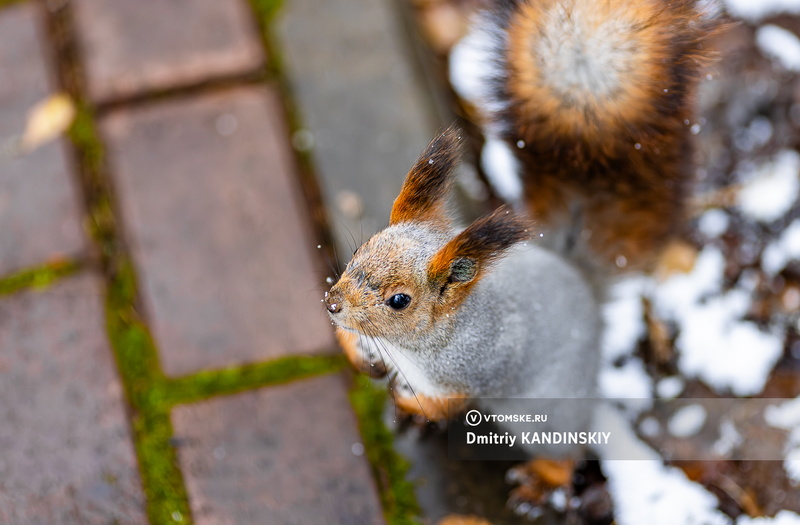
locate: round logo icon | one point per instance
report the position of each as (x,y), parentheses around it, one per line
(473,418)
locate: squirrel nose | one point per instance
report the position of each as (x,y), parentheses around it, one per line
(333,302)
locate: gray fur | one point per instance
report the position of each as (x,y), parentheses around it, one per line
(530,329)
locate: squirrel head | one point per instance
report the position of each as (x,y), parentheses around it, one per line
(414,274)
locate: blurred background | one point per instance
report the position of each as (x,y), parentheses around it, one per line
(178,179)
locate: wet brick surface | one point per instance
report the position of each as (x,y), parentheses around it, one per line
(278,455)
(67,457)
(133,47)
(368,115)
(218,230)
(40,210)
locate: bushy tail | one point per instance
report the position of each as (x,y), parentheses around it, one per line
(593,101)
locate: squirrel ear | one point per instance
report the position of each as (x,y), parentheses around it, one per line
(461,263)
(424,191)
(463,270)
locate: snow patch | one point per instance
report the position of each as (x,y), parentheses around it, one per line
(729,439)
(624,318)
(687,421)
(647,491)
(714,343)
(725,351)
(629,381)
(755,10)
(780,44)
(779,252)
(670,387)
(772,190)
(784,517)
(623,315)
(787,417)
(713,223)
(709,9)
(675,297)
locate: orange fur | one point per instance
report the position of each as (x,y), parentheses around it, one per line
(349,343)
(620,150)
(481,243)
(641,31)
(424,192)
(432,408)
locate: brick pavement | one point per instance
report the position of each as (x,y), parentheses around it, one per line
(131,48)
(67,452)
(212,174)
(39,181)
(209,207)
(241,450)
(361,103)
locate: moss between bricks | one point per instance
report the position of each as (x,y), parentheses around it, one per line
(6,3)
(237,379)
(39,278)
(137,360)
(390,468)
(150,394)
(96,185)
(265,12)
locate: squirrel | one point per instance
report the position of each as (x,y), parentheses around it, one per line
(475,313)
(592,102)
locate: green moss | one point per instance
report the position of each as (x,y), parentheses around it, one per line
(389,468)
(266,11)
(236,379)
(137,361)
(91,160)
(83,134)
(152,395)
(40,277)
(6,3)
(134,350)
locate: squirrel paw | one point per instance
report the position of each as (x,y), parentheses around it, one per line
(428,408)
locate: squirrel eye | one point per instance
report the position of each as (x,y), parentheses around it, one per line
(398,301)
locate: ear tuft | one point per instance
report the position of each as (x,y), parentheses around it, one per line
(426,186)
(465,258)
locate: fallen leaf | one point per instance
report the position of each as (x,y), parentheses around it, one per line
(46,120)
(677,257)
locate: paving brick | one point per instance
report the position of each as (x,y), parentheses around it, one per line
(278,455)
(134,47)
(369,114)
(39,206)
(218,230)
(67,456)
